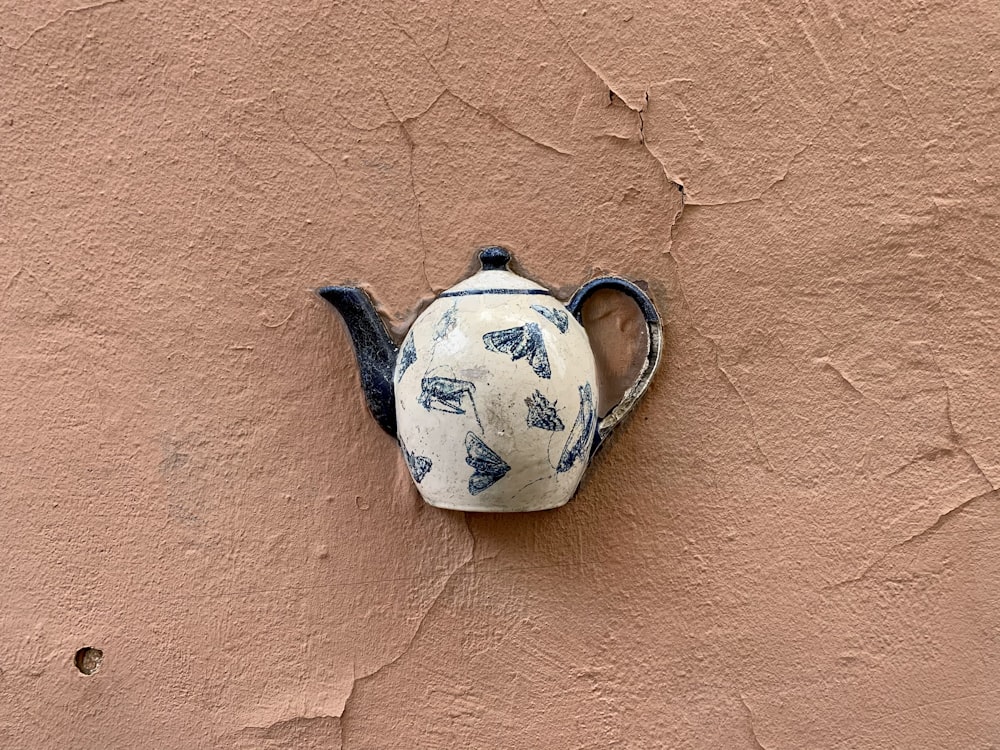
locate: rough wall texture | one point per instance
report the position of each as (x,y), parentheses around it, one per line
(794,542)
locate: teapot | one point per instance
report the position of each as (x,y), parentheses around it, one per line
(492,394)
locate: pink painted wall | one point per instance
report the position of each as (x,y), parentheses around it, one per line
(794,542)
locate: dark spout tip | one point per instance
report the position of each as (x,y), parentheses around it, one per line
(334,294)
(494,258)
(373,346)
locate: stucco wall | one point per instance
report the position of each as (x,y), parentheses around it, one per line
(792,544)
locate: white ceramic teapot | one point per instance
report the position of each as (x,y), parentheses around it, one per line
(492,395)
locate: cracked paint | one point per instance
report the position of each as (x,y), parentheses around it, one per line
(941,520)
(793,543)
(18,17)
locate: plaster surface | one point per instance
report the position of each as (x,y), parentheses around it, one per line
(792,544)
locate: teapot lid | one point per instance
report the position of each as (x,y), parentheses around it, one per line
(494,277)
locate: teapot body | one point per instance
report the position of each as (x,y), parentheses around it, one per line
(492,395)
(495,399)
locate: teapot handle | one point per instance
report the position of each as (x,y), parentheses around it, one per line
(655,330)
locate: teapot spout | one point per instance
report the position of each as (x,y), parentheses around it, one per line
(374,348)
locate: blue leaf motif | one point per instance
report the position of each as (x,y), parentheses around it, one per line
(419,465)
(542,413)
(558,318)
(522,342)
(487,464)
(580,433)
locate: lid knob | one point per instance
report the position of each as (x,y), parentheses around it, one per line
(494,258)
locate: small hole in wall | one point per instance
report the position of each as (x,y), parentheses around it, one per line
(88,659)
